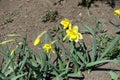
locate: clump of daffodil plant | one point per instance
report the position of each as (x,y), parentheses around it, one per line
(24,63)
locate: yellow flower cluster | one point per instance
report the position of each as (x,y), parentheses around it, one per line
(47,47)
(72,31)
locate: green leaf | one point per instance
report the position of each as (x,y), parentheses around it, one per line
(110,47)
(7,64)
(55,28)
(16,77)
(9,71)
(2,75)
(23,62)
(113,75)
(33,62)
(39,61)
(75,74)
(81,57)
(94,48)
(58,78)
(88,30)
(61,65)
(99,25)
(46,38)
(74,59)
(86,52)
(114,25)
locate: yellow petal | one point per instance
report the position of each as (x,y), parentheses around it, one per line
(12,52)
(66,23)
(117,12)
(75,28)
(73,36)
(67,31)
(65,37)
(80,36)
(37,42)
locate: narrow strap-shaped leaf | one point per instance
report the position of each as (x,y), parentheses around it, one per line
(88,29)
(23,62)
(101,61)
(61,65)
(7,64)
(16,77)
(110,47)
(81,57)
(114,25)
(99,25)
(94,48)
(2,75)
(86,52)
(114,75)
(75,74)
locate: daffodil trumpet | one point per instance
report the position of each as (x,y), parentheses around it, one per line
(73,34)
(48,47)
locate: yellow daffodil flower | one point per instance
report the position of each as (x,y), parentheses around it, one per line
(66,23)
(48,47)
(117,12)
(38,39)
(73,34)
